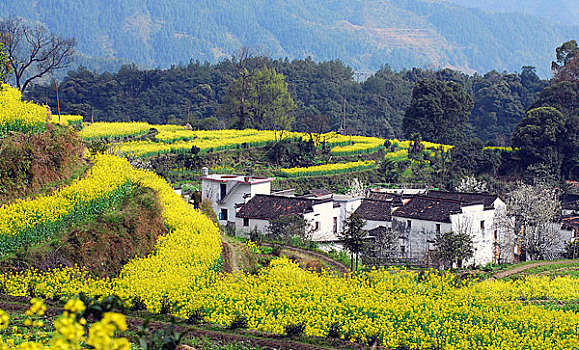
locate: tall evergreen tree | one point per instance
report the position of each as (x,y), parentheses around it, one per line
(438,111)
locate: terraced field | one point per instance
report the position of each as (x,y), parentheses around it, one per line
(392,308)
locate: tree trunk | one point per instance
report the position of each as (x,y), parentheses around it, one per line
(351,262)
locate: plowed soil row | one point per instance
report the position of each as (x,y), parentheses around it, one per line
(262,340)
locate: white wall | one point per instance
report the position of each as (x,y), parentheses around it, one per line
(260,188)
(418,239)
(469,221)
(253,224)
(371,224)
(212,191)
(324,214)
(347,207)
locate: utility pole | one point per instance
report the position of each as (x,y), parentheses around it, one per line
(57,101)
(343,126)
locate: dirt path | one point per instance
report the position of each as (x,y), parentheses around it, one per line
(254,339)
(516,270)
(343,269)
(231,255)
(226,257)
(233,258)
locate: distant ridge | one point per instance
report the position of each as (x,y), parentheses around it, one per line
(365,34)
(562,11)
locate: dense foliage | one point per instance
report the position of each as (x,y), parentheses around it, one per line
(438,112)
(549,133)
(327,96)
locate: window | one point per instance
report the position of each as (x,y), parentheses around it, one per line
(431,246)
(482,225)
(223,188)
(438,228)
(408,224)
(335,225)
(223,214)
(317,226)
(402,249)
(496,235)
(245,222)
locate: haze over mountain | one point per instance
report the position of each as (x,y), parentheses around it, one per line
(563,11)
(365,34)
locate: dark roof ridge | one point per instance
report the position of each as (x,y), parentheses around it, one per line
(378,200)
(460,192)
(375,210)
(316,200)
(267,207)
(424,196)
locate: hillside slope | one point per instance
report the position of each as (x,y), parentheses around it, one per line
(366,34)
(564,11)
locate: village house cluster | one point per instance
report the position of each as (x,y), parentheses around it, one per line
(413,217)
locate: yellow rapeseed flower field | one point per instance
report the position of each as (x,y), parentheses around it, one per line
(359,145)
(177,139)
(16,115)
(66,119)
(114,130)
(186,254)
(328,169)
(395,308)
(28,221)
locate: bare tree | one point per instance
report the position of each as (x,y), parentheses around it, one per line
(316,125)
(356,188)
(383,246)
(236,100)
(472,184)
(33,51)
(504,242)
(535,211)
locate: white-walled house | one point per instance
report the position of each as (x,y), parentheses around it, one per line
(347,205)
(423,216)
(321,214)
(227,193)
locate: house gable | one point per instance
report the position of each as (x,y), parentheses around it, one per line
(268,207)
(375,210)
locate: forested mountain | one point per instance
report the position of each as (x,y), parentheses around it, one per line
(365,34)
(563,11)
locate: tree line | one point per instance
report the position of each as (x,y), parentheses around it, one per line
(328,95)
(535,116)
